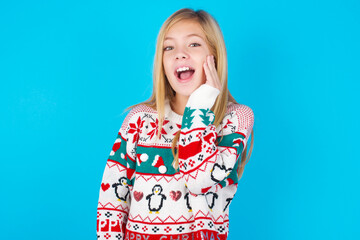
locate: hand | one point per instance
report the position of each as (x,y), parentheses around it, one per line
(211,74)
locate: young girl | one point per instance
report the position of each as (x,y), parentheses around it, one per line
(174,167)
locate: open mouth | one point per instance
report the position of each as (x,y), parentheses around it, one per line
(184,73)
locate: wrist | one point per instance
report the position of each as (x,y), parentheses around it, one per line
(203,97)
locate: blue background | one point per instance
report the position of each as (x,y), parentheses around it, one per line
(70,68)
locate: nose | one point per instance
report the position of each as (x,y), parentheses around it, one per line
(181,54)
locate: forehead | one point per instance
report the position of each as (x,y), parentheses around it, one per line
(183,29)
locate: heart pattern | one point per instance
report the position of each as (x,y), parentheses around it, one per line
(175,195)
(105,187)
(138,195)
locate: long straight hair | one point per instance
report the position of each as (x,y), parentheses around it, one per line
(162,89)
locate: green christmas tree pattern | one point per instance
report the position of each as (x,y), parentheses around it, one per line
(187,119)
(206,114)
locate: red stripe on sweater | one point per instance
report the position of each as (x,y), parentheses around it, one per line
(198,235)
(203,162)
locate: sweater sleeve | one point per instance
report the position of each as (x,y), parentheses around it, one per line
(204,163)
(117,182)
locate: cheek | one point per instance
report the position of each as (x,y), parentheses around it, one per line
(203,75)
(166,65)
(203,59)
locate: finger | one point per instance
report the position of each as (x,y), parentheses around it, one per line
(217,75)
(211,75)
(211,63)
(211,79)
(208,74)
(214,72)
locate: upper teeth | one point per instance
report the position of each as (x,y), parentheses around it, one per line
(182,69)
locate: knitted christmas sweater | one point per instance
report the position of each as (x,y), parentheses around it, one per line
(143,197)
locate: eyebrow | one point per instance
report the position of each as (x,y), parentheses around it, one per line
(190,35)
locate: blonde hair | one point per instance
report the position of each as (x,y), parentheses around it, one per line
(161,86)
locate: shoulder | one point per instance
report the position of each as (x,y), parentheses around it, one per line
(242,114)
(240,110)
(135,114)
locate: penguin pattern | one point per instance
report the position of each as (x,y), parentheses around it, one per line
(218,172)
(156,199)
(228,201)
(210,199)
(186,197)
(121,189)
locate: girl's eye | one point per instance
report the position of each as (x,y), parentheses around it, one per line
(170,48)
(195,45)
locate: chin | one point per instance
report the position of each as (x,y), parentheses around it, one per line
(187,91)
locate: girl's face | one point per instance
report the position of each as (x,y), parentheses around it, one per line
(185,51)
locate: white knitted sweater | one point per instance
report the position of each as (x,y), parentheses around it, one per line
(142,196)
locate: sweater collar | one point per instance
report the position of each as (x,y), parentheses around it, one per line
(170,114)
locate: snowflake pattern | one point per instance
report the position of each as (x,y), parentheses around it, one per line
(155,126)
(135,128)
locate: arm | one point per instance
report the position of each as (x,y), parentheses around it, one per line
(204,164)
(118,177)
